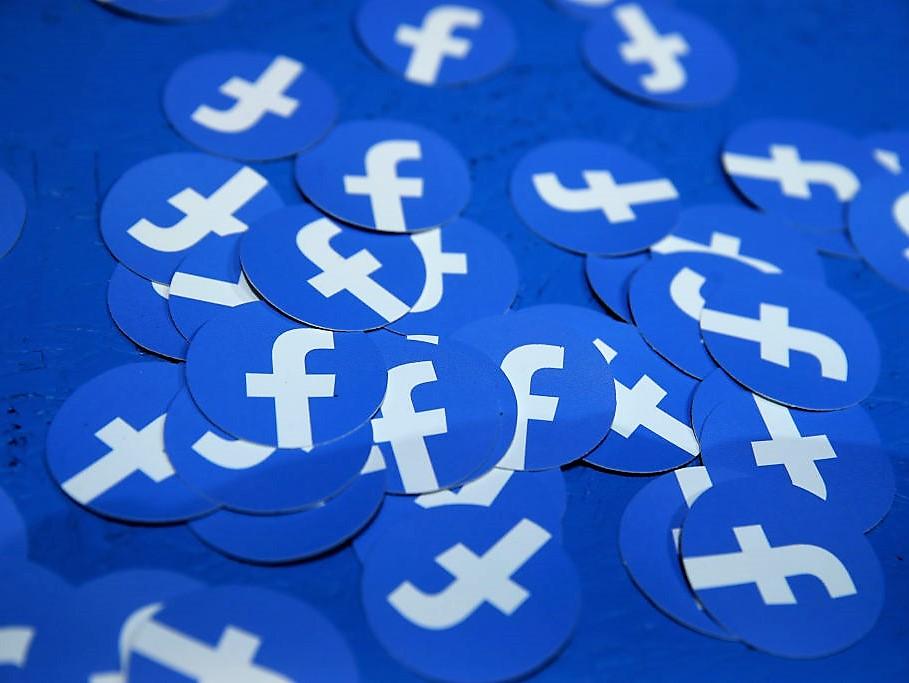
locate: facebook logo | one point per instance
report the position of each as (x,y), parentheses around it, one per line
(433,43)
(879,226)
(381,184)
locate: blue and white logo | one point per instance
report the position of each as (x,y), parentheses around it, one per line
(661,54)
(163,208)
(252,106)
(439,423)
(593,198)
(540,495)
(667,296)
(564,392)
(13,534)
(793,341)
(835,455)
(470,274)
(879,226)
(240,633)
(12,213)
(139,308)
(250,477)
(105,447)
(609,277)
(651,431)
(335,277)
(890,150)
(208,282)
(649,536)
(446,592)
(265,379)
(437,43)
(389,176)
(779,570)
(168,10)
(295,536)
(802,172)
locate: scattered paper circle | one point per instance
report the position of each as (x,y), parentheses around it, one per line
(879,226)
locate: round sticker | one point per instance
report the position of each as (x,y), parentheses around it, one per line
(264,378)
(139,308)
(105,447)
(710,392)
(241,633)
(593,198)
(332,276)
(661,55)
(777,569)
(879,226)
(428,42)
(253,106)
(793,341)
(12,213)
(167,11)
(13,533)
(609,277)
(890,150)
(389,176)
(166,206)
(458,594)
(250,477)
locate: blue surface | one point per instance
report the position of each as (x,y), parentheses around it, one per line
(80,122)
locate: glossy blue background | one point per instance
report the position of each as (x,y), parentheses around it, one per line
(71,126)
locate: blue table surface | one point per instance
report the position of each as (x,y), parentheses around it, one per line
(80,95)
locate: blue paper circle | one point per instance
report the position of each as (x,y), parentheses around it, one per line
(139,308)
(168,10)
(609,277)
(250,477)
(12,213)
(661,55)
(890,150)
(836,455)
(346,279)
(167,206)
(666,296)
(428,42)
(105,447)
(879,226)
(208,282)
(710,392)
(385,175)
(248,633)
(253,106)
(440,625)
(232,376)
(13,532)
(821,594)
(585,196)
(812,197)
(828,357)
(543,358)
(470,274)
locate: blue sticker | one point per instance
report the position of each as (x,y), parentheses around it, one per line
(667,296)
(835,455)
(167,10)
(879,226)
(609,277)
(389,176)
(660,54)
(264,378)
(252,106)
(502,492)
(295,536)
(792,341)
(802,172)
(890,150)
(90,636)
(651,431)
(105,447)
(330,275)
(779,570)
(13,532)
(649,535)
(440,420)
(249,477)
(564,391)
(710,392)
(12,213)
(208,282)
(166,206)
(139,308)
(429,42)
(240,633)
(446,592)
(593,198)
(470,274)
